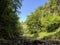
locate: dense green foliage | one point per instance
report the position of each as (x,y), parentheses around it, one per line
(8,18)
(42,23)
(45,21)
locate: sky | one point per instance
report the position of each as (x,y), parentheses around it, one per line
(29,6)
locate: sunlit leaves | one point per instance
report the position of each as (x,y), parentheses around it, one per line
(45,19)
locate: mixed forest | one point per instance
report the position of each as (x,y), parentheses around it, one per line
(43,23)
